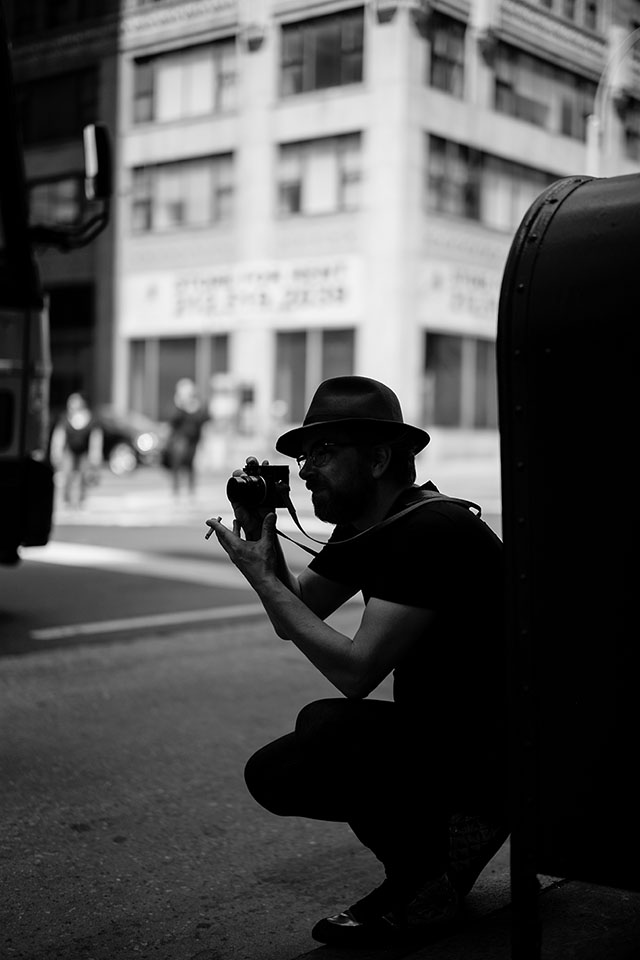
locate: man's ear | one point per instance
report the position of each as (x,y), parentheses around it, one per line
(380,457)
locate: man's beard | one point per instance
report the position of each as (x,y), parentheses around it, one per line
(343,505)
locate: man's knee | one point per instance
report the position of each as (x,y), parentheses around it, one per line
(266,779)
(323,718)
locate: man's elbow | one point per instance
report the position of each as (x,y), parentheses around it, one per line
(357,687)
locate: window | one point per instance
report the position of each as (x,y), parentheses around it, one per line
(139,401)
(56,202)
(187,193)
(583,13)
(454,179)
(156,364)
(541,93)
(576,107)
(319,176)
(25,18)
(59,14)
(35,16)
(306,357)
(176,359)
(188,83)
(322,52)
(591,14)
(57,107)
(459,382)
(446,67)
(219,353)
(632,130)
(465,182)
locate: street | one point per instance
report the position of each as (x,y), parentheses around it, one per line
(138,676)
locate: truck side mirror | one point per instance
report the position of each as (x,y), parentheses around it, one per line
(97,162)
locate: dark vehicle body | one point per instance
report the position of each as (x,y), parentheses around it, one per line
(131,440)
(26,475)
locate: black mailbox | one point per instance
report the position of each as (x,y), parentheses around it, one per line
(568,381)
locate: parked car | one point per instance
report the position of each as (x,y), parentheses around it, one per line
(130,439)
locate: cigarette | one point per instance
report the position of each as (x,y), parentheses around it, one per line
(210,530)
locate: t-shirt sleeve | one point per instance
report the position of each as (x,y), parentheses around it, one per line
(407,562)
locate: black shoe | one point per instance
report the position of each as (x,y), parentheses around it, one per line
(473,841)
(381,918)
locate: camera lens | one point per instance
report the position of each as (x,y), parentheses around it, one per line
(248,491)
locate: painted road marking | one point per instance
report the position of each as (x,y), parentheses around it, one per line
(208,572)
(149,622)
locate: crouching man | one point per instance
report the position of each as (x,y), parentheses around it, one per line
(420,780)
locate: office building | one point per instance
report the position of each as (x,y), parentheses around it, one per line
(310,188)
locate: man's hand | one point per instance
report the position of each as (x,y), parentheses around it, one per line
(249,518)
(257,559)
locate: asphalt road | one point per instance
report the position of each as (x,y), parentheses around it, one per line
(127,830)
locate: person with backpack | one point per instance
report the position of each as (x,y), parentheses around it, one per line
(420,779)
(76,449)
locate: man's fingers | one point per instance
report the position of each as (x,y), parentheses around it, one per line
(268,524)
(211,524)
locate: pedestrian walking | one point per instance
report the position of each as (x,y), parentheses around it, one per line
(76,449)
(185,433)
(420,779)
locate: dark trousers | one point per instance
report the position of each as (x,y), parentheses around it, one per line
(356,762)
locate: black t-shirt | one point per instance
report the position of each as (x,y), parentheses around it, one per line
(78,438)
(442,557)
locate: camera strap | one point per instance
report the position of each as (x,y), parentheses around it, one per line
(426,497)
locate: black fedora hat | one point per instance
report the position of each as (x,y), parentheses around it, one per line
(356,404)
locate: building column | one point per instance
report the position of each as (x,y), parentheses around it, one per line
(386,345)
(253,338)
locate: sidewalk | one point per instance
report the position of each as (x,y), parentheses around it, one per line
(144,497)
(579,921)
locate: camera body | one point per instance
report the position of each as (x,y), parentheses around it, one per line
(263,486)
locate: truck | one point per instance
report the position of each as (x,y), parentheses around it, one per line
(26,474)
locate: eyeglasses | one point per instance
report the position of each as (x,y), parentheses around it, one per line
(320,453)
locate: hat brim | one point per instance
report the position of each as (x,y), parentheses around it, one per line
(292,442)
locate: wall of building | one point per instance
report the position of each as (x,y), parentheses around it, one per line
(399,282)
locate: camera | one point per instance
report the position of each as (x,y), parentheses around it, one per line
(263,486)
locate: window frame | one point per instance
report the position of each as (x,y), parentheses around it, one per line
(301,153)
(300,58)
(451,58)
(144,101)
(146,193)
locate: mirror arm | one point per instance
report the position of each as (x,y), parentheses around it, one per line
(74,237)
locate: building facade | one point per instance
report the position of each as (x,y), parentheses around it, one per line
(310,188)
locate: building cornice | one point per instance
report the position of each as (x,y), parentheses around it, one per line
(551,37)
(89,43)
(178,20)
